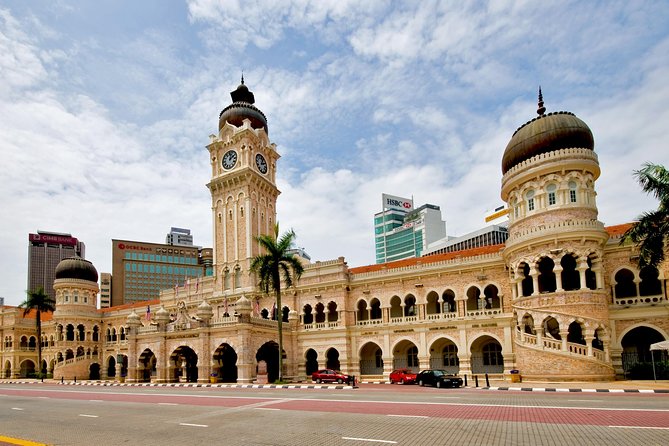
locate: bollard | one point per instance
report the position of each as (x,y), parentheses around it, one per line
(465,380)
(487,381)
(476,380)
(62,380)
(75,379)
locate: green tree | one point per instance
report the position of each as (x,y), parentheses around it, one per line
(275,265)
(39,301)
(651,230)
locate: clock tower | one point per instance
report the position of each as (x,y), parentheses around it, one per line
(243,190)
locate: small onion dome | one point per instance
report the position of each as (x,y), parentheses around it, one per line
(243,305)
(133,320)
(204,311)
(242,108)
(76,268)
(546,133)
(162,315)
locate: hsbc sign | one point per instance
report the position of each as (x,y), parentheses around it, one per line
(393,202)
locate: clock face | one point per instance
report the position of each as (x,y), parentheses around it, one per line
(261,164)
(229,159)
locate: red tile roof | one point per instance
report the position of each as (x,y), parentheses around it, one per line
(429,259)
(44,316)
(132,305)
(618,230)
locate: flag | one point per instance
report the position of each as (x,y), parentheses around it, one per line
(176,289)
(148,313)
(187,285)
(274,311)
(197,284)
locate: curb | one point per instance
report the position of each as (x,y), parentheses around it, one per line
(568,390)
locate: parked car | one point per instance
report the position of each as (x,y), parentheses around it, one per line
(329,375)
(402,376)
(438,378)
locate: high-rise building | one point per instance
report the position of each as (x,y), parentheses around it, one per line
(401,232)
(45,251)
(105,290)
(179,237)
(140,270)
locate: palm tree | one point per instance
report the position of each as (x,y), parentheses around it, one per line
(273,266)
(651,230)
(41,302)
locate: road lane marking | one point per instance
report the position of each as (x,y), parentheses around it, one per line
(43,397)
(640,427)
(369,439)
(449,397)
(408,416)
(96,401)
(88,416)
(586,401)
(265,408)
(20,442)
(168,404)
(193,425)
(16,408)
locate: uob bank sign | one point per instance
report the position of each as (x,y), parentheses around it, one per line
(393,202)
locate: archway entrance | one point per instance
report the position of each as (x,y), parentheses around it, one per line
(183,362)
(27,369)
(444,356)
(487,356)
(7,369)
(312,361)
(636,356)
(225,364)
(111,367)
(333,359)
(94,371)
(371,359)
(146,367)
(405,356)
(269,352)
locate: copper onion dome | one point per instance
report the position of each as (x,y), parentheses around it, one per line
(546,133)
(242,108)
(76,268)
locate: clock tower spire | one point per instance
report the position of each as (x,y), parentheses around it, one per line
(243,189)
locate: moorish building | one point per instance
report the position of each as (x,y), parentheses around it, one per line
(561,299)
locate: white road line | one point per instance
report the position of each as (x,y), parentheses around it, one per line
(449,397)
(194,425)
(369,439)
(16,408)
(586,401)
(408,416)
(168,404)
(43,397)
(640,427)
(88,416)
(265,408)
(96,401)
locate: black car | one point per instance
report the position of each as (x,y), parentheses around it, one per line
(438,378)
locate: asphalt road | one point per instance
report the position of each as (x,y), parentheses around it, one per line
(367,416)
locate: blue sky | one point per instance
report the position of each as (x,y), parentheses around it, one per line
(107,107)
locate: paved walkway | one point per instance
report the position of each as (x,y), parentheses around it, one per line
(661,386)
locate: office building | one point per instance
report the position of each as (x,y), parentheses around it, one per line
(45,251)
(105,290)
(402,232)
(490,235)
(179,237)
(140,270)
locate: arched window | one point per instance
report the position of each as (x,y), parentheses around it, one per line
(491,297)
(547,282)
(551,190)
(572,191)
(362,310)
(375,309)
(492,354)
(410,306)
(333,316)
(571,279)
(625,286)
(320,313)
(650,284)
(226,278)
(238,277)
(527,283)
(449,301)
(529,196)
(412,357)
(473,301)
(450,356)
(307,317)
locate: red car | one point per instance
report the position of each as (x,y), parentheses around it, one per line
(402,376)
(329,375)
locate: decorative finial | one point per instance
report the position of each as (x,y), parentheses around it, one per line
(541,110)
(242,77)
